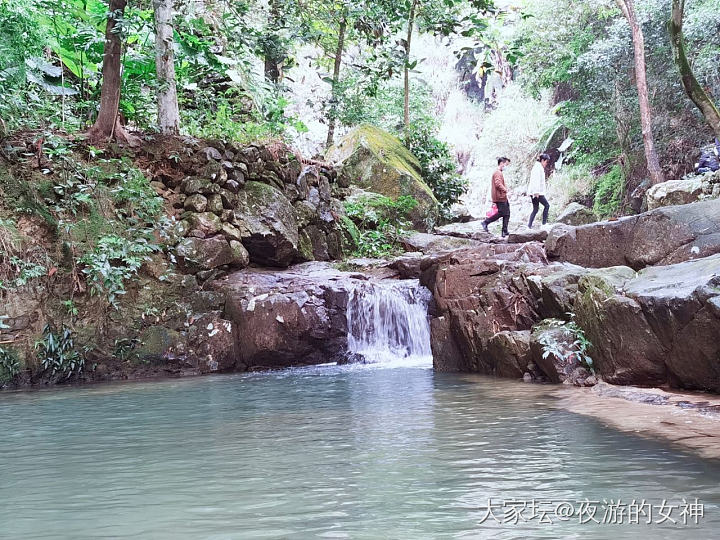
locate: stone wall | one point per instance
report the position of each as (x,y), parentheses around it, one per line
(252,204)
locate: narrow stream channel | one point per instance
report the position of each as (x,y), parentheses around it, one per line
(333,452)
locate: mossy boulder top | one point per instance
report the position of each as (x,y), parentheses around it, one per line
(375,160)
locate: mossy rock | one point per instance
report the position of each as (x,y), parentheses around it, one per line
(375,160)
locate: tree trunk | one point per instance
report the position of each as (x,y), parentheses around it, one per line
(411,24)
(107,125)
(692,87)
(651,156)
(168,112)
(335,81)
(271,44)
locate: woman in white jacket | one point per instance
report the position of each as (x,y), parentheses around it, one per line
(536,189)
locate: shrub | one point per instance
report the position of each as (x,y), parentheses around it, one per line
(608,192)
(579,347)
(113,261)
(438,167)
(9,365)
(377,223)
(57,354)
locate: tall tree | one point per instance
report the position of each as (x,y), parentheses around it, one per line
(406,71)
(691,85)
(653,163)
(108,126)
(336,79)
(168,111)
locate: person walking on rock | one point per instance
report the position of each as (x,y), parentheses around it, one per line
(536,189)
(499,194)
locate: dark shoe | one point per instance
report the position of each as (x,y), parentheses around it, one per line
(505,233)
(484,226)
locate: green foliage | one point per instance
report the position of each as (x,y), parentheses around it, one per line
(579,346)
(608,192)
(583,52)
(438,166)
(112,263)
(57,354)
(70,308)
(25,271)
(9,365)
(136,202)
(379,223)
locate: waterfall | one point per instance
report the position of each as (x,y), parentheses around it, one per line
(388,320)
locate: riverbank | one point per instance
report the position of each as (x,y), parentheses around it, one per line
(688,420)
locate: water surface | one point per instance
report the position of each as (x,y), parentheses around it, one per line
(327,452)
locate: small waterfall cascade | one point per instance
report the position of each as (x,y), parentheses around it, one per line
(388,321)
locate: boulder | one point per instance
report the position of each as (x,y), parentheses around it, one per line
(431,243)
(159,344)
(660,327)
(577,214)
(290,317)
(664,236)
(507,354)
(373,159)
(195,203)
(674,192)
(479,294)
(198,254)
(268,225)
(205,223)
(524,235)
(211,344)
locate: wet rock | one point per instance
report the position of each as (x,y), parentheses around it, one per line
(212,344)
(662,236)
(270,230)
(289,317)
(195,203)
(577,214)
(480,292)
(159,345)
(507,354)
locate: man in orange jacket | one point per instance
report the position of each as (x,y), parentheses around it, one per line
(499,193)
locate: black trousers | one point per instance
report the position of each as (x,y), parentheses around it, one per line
(536,201)
(504,213)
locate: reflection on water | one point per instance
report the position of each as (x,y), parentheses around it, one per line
(356,452)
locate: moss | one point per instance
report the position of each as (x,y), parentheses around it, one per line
(305,246)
